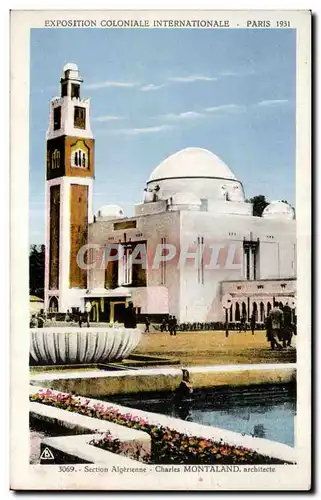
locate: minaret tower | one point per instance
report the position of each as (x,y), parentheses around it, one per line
(69,177)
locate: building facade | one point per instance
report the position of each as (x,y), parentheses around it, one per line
(192,240)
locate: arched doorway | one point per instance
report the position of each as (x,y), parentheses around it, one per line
(269,307)
(237,312)
(244,312)
(53,304)
(254,310)
(231,313)
(262,312)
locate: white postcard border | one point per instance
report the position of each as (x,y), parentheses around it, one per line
(25,476)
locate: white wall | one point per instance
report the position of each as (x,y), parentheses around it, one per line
(277,247)
(189,298)
(201,297)
(269,265)
(202,301)
(158,297)
(208,188)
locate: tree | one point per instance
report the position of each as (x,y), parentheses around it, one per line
(37,270)
(259,203)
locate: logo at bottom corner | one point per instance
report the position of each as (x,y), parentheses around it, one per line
(47,455)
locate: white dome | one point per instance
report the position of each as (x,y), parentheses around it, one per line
(71,72)
(192,162)
(196,171)
(70,67)
(110,212)
(278,209)
(185,199)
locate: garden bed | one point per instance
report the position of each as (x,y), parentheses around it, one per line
(167,445)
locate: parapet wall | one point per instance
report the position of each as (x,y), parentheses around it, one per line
(97,384)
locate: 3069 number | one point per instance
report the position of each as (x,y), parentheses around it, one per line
(67,468)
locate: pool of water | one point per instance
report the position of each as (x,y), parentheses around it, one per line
(266,412)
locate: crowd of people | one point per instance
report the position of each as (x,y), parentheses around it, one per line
(280,325)
(169,324)
(243,324)
(37,320)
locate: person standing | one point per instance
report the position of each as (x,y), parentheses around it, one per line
(268,329)
(170,325)
(163,327)
(253,322)
(287,331)
(80,318)
(33,321)
(41,321)
(182,396)
(130,320)
(88,311)
(68,317)
(276,318)
(185,387)
(147,324)
(174,319)
(243,324)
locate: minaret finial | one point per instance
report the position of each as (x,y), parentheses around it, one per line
(70,81)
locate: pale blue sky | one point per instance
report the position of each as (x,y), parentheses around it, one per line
(156,91)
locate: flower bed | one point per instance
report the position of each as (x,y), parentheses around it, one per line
(168,445)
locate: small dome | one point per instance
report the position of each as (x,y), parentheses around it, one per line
(110,212)
(279,209)
(70,67)
(71,72)
(192,162)
(185,199)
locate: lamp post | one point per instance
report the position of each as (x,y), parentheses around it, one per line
(227,304)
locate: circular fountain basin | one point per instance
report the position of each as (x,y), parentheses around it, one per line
(74,345)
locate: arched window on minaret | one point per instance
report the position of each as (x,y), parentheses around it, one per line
(75,91)
(56,159)
(84,160)
(76,158)
(64,89)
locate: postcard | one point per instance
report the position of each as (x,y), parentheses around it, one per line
(161,250)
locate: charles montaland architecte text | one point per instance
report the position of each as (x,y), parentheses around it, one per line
(134,23)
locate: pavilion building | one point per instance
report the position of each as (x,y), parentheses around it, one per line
(192,241)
